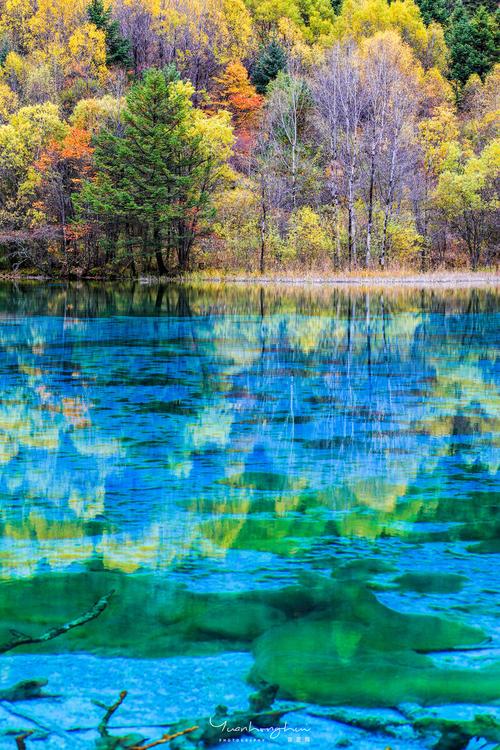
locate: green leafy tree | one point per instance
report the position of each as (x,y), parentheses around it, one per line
(468,200)
(160,172)
(271,61)
(117,47)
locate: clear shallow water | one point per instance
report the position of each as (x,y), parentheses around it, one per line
(193,447)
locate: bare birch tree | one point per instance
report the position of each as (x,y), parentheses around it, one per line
(340,102)
(391,91)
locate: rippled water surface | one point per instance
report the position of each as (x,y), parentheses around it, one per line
(253,468)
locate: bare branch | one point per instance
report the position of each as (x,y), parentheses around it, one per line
(21,639)
(110,710)
(21,739)
(164,739)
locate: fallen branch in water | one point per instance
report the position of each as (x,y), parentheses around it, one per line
(21,639)
(164,739)
(21,739)
(367,723)
(103,725)
(203,733)
(107,741)
(224,725)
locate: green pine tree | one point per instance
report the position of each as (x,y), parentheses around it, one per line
(464,58)
(434,10)
(117,47)
(272,59)
(484,37)
(472,5)
(151,175)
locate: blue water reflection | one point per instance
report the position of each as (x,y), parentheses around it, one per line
(154,425)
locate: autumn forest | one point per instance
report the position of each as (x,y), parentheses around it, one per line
(157,137)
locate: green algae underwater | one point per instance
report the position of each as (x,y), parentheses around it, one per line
(308,477)
(323,640)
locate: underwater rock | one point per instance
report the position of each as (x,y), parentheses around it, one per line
(482,725)
(431,582)
(355,650)
(330,663)
(310,593)
(24,690)
(243,621)
(387,629)
(486,547)
(362,568)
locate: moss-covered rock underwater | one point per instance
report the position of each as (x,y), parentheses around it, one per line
(324,640)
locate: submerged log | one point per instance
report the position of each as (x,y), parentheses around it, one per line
(22,639)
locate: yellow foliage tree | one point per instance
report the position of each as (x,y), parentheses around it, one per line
(469,200)
(22,140)
(364,18)
(437,91)
(309,238)
(93,114)
(8,101)
(15,22)
(439,141)
(55,21)
(87,46)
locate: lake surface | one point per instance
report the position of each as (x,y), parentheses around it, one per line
(281,481)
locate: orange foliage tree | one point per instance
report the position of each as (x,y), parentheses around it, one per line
(61,169)
(237,94)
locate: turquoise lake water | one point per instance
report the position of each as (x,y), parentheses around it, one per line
(257,472)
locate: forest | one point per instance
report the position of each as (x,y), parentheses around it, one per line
(159,137)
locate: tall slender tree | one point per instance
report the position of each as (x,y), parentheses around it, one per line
(271,61)
(117,46)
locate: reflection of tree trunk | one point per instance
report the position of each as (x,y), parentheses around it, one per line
(368,337)
(159,296)
(351,314)
(157,245)
(183,305)
(384,336)
(133,288)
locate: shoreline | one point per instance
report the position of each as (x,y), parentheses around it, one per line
(452,279)
(415,280)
